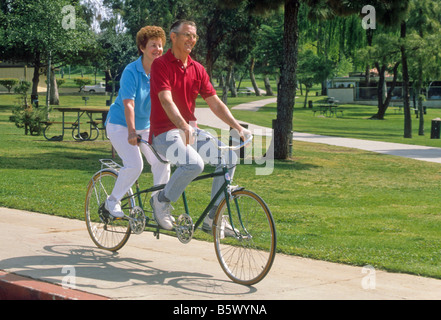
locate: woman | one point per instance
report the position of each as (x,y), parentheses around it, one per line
(129,117)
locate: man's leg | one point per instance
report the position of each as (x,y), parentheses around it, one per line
(212,155)
(189,165)
(188,162)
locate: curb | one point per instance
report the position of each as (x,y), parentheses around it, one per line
(15,287)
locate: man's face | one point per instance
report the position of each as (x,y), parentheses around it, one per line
(185,39)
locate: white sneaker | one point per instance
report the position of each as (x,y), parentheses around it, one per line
(114,208)
(161,212)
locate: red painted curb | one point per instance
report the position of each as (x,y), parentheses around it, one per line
(15,287)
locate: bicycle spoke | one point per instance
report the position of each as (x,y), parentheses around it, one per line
(247,257)
(105,232)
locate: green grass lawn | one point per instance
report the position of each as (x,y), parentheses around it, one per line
(329,203)
(354,123)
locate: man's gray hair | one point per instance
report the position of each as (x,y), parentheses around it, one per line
(177,25)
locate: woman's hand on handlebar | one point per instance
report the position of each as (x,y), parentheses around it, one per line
(133,139)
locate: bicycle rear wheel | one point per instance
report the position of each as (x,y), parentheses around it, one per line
(106,232)
(247,256)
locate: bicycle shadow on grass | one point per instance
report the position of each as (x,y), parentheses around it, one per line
(94,269)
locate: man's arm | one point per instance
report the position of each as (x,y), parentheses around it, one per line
(222,112)
(172,111)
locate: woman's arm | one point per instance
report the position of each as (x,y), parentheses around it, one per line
(129,112)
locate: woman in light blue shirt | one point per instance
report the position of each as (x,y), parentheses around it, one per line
(129,117)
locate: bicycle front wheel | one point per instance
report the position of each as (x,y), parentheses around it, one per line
(106,233)
(245,243)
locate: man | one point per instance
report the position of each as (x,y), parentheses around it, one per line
(176,81)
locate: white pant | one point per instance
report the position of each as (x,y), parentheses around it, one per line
(132,160)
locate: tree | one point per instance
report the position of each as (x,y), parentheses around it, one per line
(312,69)
(424,24)
(406,90)
(267,51)
(41,33)
(385,55)
(137,14)
(287,85)
(117,49)
(245,34)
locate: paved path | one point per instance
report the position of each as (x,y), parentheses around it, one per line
(58,250)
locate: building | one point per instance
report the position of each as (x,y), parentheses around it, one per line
(20,71)
(353,89)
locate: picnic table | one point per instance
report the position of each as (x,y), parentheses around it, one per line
(330,108)
(94,120)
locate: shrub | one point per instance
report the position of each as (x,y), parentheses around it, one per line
(81,82)
(8,83)
(24,115)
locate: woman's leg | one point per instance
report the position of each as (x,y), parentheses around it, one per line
(130,156)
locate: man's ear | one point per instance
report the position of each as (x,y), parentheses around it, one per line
(173,36)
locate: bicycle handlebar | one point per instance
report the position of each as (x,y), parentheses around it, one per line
(234,148)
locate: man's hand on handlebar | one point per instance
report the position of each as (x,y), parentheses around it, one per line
(245,134)
(189,135)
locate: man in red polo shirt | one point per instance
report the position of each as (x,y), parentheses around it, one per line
(176,82)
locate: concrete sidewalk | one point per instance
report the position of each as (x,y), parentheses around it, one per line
(59,251)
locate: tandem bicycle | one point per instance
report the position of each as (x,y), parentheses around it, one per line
(246,255)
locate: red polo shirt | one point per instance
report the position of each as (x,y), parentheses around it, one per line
(168,73)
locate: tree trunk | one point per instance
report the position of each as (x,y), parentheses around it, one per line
(54,97)
(421,113)
(209,62)
(380,91)
(324,88)
(369,37)
(406,94)
(420,100)
(225,90)
(384,95)
(36,76)
(231,82)
(306,97)
(253,79)
(269,90)
(287,85)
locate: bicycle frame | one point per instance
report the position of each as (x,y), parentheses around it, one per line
(223,189)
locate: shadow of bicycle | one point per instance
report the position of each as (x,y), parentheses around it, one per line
(99,270)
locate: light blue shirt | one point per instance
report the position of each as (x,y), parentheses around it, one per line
(134,85)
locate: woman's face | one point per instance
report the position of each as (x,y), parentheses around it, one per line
(153,49)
